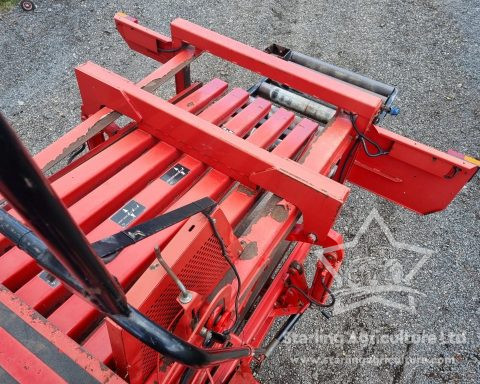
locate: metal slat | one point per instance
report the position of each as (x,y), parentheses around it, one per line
(218,112)
(268,132)
(156,196)
(201,189)
(248,117)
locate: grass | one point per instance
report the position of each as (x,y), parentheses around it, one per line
(5,4)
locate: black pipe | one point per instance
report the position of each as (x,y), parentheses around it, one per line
(27,190)
(27,241)
(172,346)
(341,74)
(22,183)
(134,322)
(282,333)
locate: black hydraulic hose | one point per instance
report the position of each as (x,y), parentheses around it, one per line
(134,322)
(28,188)
(27,241)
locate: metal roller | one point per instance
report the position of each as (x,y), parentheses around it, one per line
(342,74)
(296,102)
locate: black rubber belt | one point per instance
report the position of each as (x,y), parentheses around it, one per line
(109,247)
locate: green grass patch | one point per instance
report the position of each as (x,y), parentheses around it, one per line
(6,4)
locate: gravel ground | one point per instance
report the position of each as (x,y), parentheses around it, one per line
(428,48)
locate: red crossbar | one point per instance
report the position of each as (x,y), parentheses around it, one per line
(229,154)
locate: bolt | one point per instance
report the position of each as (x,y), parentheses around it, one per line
(331,257)
(185,297)
(312,238)
(297,266)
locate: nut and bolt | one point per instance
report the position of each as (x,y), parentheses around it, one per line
(312,238)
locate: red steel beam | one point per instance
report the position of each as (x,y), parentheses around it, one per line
(248,117)
(23,365)
(296,76)
(98,340)
(229,154)
(66,345)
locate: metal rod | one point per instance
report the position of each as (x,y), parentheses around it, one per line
(341,74)
(282,333)
(185,295)
(296,102)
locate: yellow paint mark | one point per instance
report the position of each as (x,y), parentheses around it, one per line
(472,160)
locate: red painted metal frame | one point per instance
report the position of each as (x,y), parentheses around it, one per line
(23,364)
(324,87)
(79,355)
(229,154)
(230,164)
(414,175)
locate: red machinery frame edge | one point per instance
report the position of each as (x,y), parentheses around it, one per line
(399,176)
(70,348)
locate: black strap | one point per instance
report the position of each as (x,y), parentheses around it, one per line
(107,248)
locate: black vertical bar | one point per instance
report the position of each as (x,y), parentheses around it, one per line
(25,187)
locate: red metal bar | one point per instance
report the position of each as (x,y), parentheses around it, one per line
(296,76)
(22,364)
(269,131)
(225,106)
(248,117)
(203,96)
(142,39)
(296,139)
(71,349)
(229,154)
(329,147)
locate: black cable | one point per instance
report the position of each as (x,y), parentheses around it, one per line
(76,153)
(364,139)
(361,138)
(312,300)
(232,265)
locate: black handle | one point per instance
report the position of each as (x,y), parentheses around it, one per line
(70,256)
